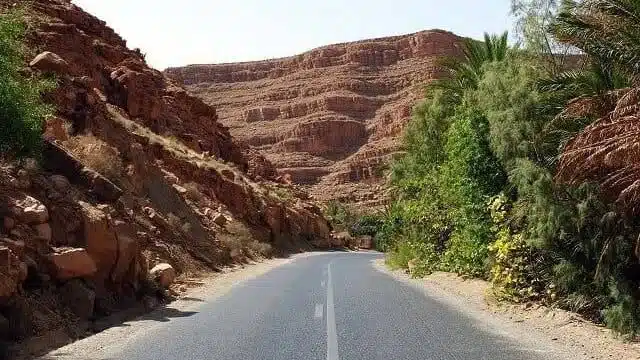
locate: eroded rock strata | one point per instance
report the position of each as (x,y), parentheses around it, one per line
(330,118)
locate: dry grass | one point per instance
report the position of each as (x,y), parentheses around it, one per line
(97,155)
(174,221)
(241,243)
(279,192)
(260,248)
(172,144)
(193,191)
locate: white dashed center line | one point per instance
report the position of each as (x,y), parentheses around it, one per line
(332,334)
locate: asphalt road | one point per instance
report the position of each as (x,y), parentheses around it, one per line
(329,306)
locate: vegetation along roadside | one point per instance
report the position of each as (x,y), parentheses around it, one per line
(518,165)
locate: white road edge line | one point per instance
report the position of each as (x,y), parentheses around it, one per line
(332,334)
(319,311)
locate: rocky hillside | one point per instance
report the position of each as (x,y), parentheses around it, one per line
(138,183)
(330,118)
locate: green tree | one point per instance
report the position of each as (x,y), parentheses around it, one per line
(532,21)
(465,73)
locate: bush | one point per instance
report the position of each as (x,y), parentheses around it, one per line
(539,240)
(624,314)
(515,266)
(366,225)
(241,243)
(193,192)
(21,108)
(400,256)
(339,215)
(260,248)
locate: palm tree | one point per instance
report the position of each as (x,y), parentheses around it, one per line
(596,79)
(465,72)
(607,30)
(607,151)
(576,97)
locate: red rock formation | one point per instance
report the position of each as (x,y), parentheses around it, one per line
(331,117)
(85,231)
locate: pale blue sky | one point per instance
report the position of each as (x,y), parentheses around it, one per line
(180,32)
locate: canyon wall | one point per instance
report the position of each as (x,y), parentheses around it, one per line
(138,183)
(329,119)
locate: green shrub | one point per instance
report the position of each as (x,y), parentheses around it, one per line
(567,245)
(391,225)
(400,256)
(366,225)
(623,315)
(515,266)
(21,108)
(339,215)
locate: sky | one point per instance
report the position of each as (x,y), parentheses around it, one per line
(181,32)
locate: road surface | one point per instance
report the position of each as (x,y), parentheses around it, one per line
(329,306)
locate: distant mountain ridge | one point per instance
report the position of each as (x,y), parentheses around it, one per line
(331,117)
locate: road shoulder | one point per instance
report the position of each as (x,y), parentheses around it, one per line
(564,333)
(109,341)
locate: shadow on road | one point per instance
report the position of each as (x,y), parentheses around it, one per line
(165,314)
(36,348)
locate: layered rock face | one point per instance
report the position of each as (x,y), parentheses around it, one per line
(330,118)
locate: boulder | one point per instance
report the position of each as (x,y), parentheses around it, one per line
(35,214)
(26,209)
(128,247)
(138,86)
(60,183)
(50,62)
(219,219)
(341,239)
(164,274)
(366,242)
(72,263)
(79,298)
(181,190)
(44,231)
(100,239)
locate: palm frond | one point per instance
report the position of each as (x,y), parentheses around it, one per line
(608,152)
(606,29)
(465,72)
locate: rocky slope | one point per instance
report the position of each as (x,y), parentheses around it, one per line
(138,183)
(330,118)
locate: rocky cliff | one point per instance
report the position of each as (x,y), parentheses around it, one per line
(138,183)
(329,119)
